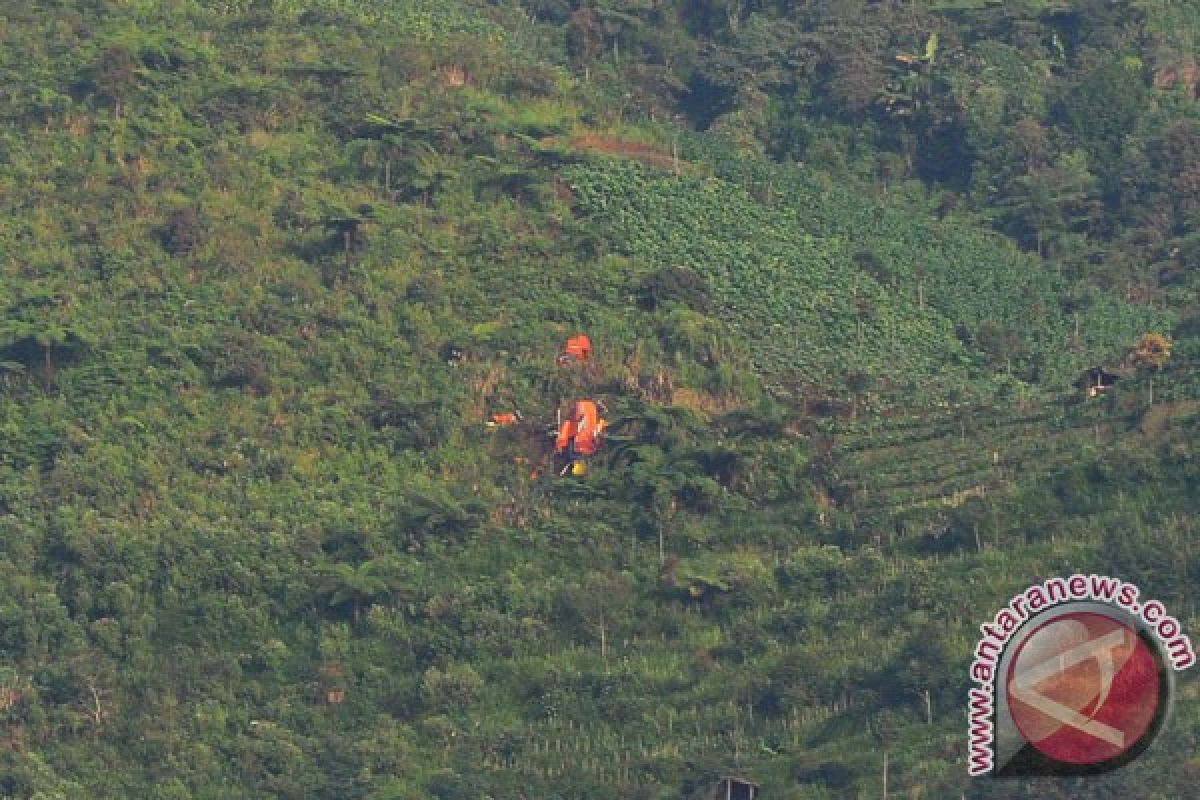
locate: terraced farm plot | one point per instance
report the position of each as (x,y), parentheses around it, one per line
(823,283)
(938,459)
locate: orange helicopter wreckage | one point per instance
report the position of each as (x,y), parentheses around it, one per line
(578,436)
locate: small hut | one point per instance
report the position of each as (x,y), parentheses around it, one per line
(1095,381)
(730,788)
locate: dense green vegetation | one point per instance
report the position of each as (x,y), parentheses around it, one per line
(822,283)
(267,267)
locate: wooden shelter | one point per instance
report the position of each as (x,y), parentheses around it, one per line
(1094,381)
(731,788)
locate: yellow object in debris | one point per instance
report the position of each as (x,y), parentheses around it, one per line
(579,468)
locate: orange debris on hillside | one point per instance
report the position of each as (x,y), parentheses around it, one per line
(500,420)
(580,432)
(577,348)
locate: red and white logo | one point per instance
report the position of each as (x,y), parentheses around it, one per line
(1084,689)
(1073,677)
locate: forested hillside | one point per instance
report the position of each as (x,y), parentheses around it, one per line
(268,268)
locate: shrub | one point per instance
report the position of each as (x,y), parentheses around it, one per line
(675,285)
